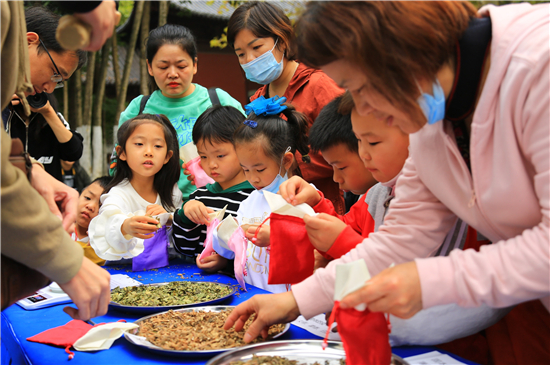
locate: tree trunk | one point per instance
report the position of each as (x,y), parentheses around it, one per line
(75,97)
(66,100)
(97,142)
(116,66)
(144,75)
(84,129)
(163,12)
(129,57)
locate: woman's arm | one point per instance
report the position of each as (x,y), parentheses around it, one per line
(62,133)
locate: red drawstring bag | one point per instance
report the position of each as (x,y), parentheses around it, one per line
(365,335)
(64,336)
(291,254)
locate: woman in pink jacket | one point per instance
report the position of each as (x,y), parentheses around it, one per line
(472,90)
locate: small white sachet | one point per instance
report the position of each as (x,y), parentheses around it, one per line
(162,218)
(349,278)
(279,205)
(226,229)
(102,337)
(188,152)
(217,214)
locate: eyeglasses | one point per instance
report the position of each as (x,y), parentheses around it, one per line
(56,77)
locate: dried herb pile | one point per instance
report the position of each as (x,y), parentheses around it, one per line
(277,360)
(196,331)
(174,293)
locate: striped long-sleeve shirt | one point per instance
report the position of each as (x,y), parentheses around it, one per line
(188,236)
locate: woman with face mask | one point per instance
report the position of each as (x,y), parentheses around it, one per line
(261,35)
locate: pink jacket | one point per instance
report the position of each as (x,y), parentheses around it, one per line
(506,197)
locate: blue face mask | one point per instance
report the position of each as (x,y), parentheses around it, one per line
(433,106)
(273,187)
(264,69)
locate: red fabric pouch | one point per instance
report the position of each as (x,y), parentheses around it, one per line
(365,335)
(291,254)
(64,336)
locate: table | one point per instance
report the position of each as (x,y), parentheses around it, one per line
(18,324)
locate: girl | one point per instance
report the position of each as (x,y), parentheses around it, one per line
(172,62)
(261,35)
(145,179)
(265,145)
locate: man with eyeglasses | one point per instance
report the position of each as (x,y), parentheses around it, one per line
(30,233)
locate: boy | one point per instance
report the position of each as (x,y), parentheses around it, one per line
(213,136)
(87,209)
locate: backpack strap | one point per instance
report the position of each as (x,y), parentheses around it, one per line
(212,93)
(143,102)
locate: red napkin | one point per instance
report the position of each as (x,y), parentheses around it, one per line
(64,336)
(291,255)
(365,335)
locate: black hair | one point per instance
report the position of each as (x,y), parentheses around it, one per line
(170,34)
(169,173)
(332,128)
(44,22)
(217,124)
(264,20)
(276,133)
(103,181)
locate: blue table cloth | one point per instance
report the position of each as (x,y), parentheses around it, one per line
(19,324)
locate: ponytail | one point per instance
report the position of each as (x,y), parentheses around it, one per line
(299,125)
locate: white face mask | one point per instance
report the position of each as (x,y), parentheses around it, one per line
(264,69)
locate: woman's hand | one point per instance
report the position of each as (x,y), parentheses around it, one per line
(320,261)
(323,230)
(395,290)
(45,110)
(262,239)
(212,263)
(154,210)
(197,212)
(269,308)
(139,226)
(296,191)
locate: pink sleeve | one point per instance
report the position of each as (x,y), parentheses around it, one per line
(415,226)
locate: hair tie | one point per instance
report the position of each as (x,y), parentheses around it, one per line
(250,123)
(263,106)
(306,158)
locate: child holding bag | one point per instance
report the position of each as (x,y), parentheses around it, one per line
(144,185)
(213,136)
(265,144)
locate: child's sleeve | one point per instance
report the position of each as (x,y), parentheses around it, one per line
(105,233)
(186,234)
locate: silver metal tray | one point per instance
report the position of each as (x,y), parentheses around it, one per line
(303,351)
(147,310)
(204,353)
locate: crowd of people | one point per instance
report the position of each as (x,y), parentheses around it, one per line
(435,114)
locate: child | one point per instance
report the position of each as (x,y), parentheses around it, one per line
(172,64)
(145,179)
(213,136)
(383,150)
(265,144)
(87,209)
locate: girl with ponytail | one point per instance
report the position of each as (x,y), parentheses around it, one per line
(266,144)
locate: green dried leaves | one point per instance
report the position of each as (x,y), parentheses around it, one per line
(174,293)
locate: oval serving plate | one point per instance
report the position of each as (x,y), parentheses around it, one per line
(131,336)
(157,309)
(305,352)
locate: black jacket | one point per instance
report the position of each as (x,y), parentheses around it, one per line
(42,142)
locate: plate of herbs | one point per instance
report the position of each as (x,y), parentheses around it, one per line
(193,332)
(153,298)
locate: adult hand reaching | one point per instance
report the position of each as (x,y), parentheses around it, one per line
(90,291)
(62,199)
(269,308)
(102,20)
(395,290)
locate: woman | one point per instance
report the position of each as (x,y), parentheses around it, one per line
(261,35)
(412,73)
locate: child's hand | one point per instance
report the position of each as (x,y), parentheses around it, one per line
(262,239)
(197,212)
(320,260)
(139,226)
(323,230)
(296,191)
(190,177)
(212,263)
(154,210)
